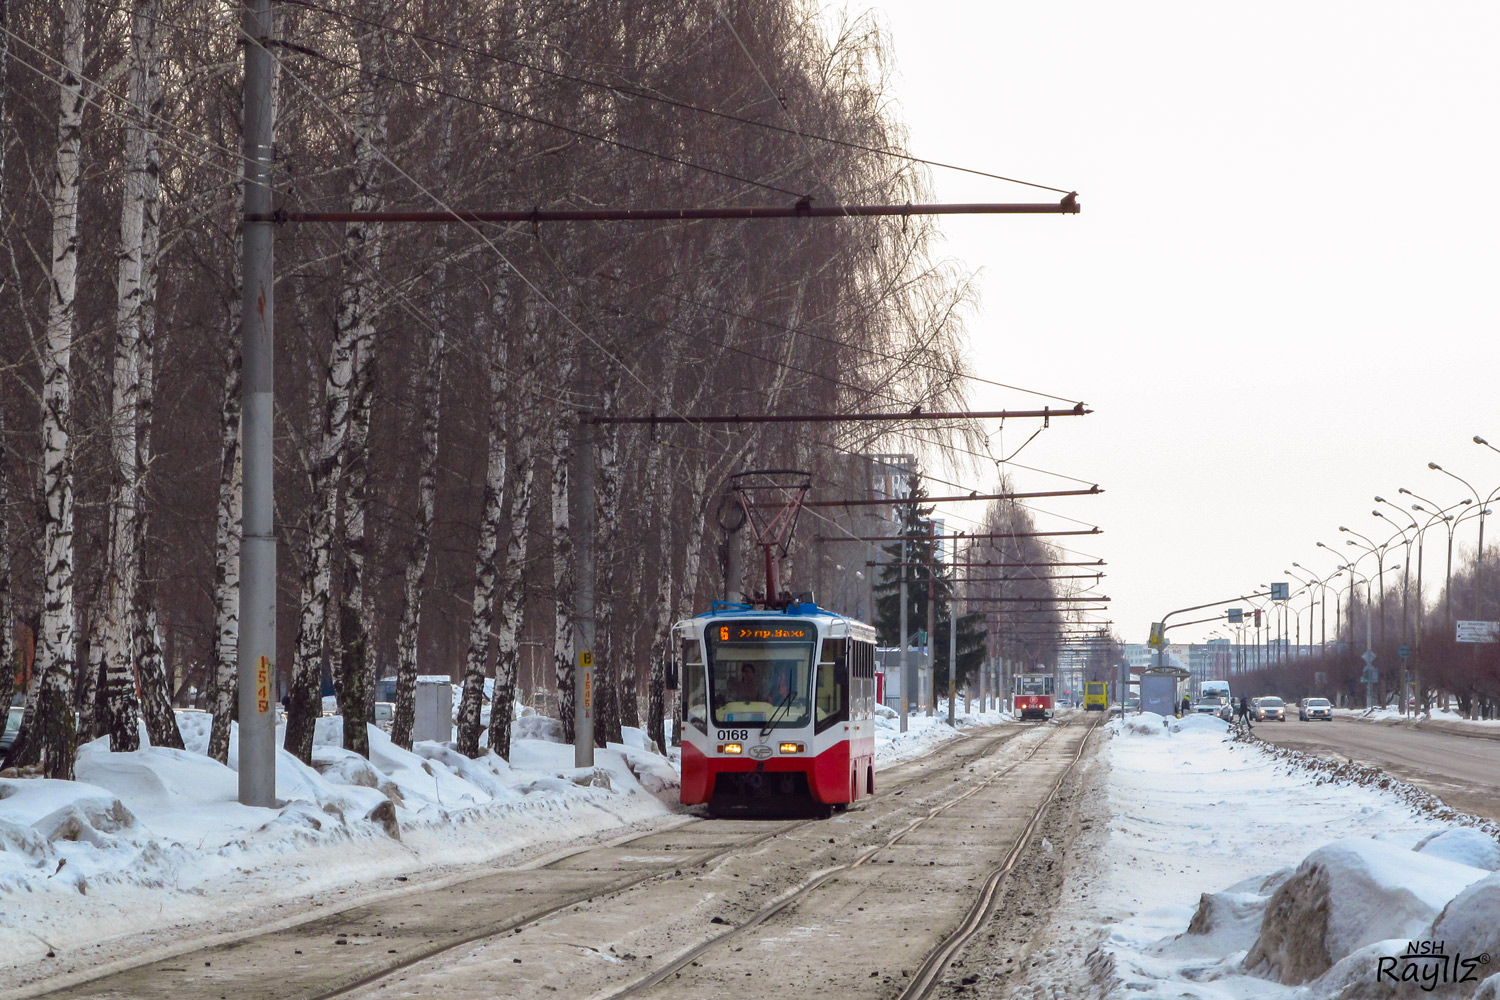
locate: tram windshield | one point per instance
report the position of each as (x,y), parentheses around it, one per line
(1034,684)
(761,682)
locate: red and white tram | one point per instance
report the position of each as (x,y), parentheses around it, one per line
(778,708)
(1033,697)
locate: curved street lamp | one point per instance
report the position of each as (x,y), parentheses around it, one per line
(1369,650)
(1450,523)
(1323,604)
(1433,518)
(1379,550)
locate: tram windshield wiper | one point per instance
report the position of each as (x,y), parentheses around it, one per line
(786,703)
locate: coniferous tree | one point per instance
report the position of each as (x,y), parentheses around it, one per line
(925,576)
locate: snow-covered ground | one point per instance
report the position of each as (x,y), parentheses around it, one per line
(158,833)
(1436,715)
(1228,874)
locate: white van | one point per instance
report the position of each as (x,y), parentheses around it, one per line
(1214,689)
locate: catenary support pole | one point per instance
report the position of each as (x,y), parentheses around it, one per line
(952,655)
(931,617)
(906,672)
(734,564)
(257,638)
(583,596)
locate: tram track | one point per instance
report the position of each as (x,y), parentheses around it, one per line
(701,861)
(931,970)
(782,935)
(928,977)
(154,976)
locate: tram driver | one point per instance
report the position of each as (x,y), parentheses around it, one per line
(746,687)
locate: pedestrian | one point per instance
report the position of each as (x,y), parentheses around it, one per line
(1244,712)
(1187,705)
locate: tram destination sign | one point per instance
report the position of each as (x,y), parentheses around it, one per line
(763,632)
(1477,632)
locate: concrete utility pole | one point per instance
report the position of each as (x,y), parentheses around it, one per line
(907,678)
(583,595)
(734,563)
(952,655)
(257,638)
(931,616)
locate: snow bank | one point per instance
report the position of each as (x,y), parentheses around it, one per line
(1347,895)
(1183,900)
(923,732)
(167,823)
(1465,846)
(1141,724)
(1199,724)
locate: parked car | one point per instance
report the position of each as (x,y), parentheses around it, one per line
(1314,708)
(12,727)
(385,714)
(1269,709)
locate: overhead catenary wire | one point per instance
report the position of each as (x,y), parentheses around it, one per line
(662,99)
(871,351)
(438,200)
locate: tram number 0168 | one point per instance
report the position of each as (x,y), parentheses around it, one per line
(735,735)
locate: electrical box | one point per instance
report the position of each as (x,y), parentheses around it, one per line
(434,719)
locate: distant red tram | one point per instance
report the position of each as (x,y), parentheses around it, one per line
(778,708)
(1033,697)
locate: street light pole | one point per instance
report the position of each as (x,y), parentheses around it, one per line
(1379,550)
(1450,523)
(1441,515)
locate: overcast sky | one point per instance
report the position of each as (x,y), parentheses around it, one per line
(1280,294)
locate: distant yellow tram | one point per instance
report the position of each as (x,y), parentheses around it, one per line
(1095,696)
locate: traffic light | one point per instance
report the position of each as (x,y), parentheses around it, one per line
(1257,617)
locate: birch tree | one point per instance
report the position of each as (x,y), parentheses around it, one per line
(607,671)
(356,307)
(353,344)
(429,379)
(55,650)
(562,573)
(120,637)
(227,528)
(151,667)
(486,570)
(512,599)
(7,596)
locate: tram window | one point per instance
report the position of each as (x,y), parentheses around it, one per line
(755,683)
(832,695)
(694,686)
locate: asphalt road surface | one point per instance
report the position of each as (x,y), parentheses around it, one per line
(1463,771)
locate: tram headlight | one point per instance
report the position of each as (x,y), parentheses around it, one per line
(731,748)
(792,748)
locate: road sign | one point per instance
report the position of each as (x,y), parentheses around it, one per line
(1368,657)
(1370,676)
(1236,616)
(1404,652)
(1280,591)
(1478,632)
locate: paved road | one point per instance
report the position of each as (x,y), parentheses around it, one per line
(1463,771)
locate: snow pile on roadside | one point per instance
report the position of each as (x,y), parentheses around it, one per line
(168,822)
(923,732)
(1345,896)
(1393,715)
(1321,879)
